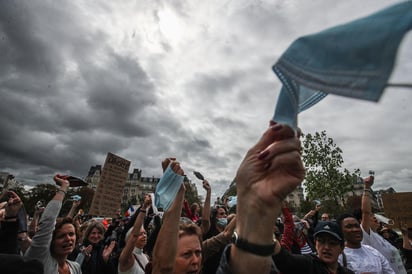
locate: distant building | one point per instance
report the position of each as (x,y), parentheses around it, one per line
(135,185)
(93,177)
(376,199)
(378,195)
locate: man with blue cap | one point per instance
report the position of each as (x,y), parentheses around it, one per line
(329,244)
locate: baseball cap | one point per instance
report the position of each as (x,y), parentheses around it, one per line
(332,228)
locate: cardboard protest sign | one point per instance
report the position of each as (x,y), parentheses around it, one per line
(398,207)
(107,199)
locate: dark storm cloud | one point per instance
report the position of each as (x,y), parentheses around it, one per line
(19,42)
(66,98)
(80,79)
(118,95)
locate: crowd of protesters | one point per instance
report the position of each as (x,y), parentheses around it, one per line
(261,236)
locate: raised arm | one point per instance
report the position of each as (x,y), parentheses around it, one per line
(366,204)
(206,208)
(10,208)
(73,208)
(9,226)
(63,184)
(126,258)
(269,172)
(40,247)
(406,241)
(35,222)
(165,249)
(313,213)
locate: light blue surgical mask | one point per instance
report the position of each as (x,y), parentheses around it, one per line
(221,222)
(329,62)
(167,189)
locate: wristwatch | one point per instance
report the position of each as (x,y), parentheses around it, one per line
(260,250)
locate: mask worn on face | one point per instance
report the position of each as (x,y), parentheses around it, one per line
(222,222)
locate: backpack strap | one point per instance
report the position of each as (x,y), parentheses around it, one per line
(344,260)
(140,264)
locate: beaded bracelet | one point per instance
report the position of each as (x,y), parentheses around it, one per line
(61,190)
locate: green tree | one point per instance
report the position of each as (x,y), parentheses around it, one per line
(41,192)
(45,192)
(325,179)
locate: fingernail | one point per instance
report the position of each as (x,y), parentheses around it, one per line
(276,127)
(263,154)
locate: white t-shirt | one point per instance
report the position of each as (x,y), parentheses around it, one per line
(136,269)
(383,246)
(366,259)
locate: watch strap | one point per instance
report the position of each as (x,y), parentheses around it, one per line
(260,250)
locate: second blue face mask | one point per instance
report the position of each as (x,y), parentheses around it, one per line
(167,189)
(222,222)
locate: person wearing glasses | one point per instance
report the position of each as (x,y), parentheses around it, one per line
(329,244)
(325,217)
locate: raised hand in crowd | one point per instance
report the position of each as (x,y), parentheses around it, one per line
(270,170)
(107,251)
(10,260)
(369,221)
(9,223)
(406,245)
(131,256)
(406,235)
(313,213)
(56,238)
(10,208)
(369,227)
(86,252)
(205,221)
(183,253)
(33,226)
(73,208)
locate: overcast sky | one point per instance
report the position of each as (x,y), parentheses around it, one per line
(191,79)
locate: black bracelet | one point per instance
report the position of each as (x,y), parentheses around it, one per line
(10,217)
(143,210)
(260,250)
